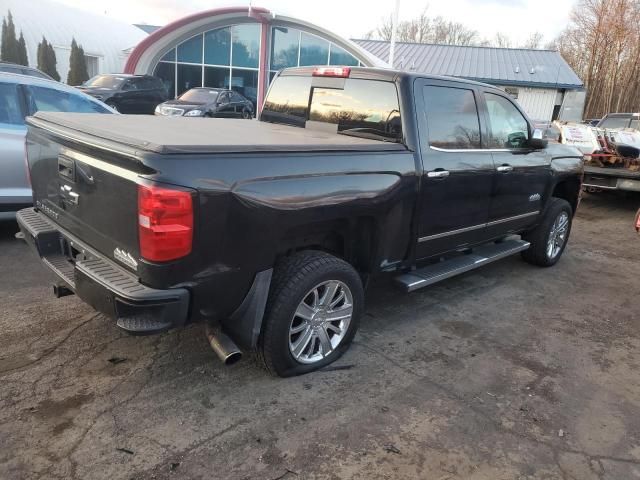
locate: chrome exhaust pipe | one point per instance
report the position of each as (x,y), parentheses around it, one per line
(222,345)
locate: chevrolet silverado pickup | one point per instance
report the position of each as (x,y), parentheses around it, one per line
(268,230)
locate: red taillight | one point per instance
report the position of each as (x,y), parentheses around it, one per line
(165,223)
(341,72)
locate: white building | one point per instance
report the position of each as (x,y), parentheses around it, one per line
(105,41)
(544,84)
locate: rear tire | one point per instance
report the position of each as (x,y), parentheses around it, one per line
(549,239)
(298,335)
(113,105)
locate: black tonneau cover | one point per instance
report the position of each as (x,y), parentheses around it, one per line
(168,135)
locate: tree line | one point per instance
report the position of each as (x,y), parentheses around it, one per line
(602,45)
(14,50)
(438,30)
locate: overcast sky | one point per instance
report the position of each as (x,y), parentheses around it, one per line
(353,18)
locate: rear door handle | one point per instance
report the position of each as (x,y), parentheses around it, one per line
(505,168)
(438,174)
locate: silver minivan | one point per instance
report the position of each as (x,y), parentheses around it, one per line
(21,96)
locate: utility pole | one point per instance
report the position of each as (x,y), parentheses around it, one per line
(394,29)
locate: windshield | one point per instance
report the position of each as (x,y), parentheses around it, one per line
(615,122)
(363,108)
(199,95)
(105,81)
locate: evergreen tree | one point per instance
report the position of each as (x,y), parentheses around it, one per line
(82,66)
(77,65)
(23,58)
(47,61)
(4,43)
(52,63)
(9,47)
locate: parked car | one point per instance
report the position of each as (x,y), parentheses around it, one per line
(269,230)
(134,94)
(22,95)
(8,67)
(207,102)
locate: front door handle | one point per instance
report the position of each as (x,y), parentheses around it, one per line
(505,168)
(438,174)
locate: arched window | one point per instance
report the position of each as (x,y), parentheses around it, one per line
(225,58)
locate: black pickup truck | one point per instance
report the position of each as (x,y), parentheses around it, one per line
(269,230)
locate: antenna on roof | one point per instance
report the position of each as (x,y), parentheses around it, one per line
(394,29)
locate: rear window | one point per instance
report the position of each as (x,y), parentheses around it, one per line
(288,101)
(50,100)
(363,108)
(615,122)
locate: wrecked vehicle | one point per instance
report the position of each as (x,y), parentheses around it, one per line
(611,149)
(269,230)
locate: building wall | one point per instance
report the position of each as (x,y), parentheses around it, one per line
(103,39)
(537,102)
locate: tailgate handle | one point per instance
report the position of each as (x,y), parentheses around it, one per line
(66,167)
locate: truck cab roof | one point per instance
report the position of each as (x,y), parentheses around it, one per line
(385,74)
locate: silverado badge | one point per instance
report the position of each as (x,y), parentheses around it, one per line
(125,257)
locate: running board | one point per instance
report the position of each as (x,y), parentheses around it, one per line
(446,269)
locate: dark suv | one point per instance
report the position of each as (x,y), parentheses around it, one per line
(127,93)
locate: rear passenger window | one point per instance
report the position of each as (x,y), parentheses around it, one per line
(452,118)
(509,129)
(10,109)
(50,100)
(288,100)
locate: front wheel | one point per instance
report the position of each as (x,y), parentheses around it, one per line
(246,114)
(312,313)
(549,239)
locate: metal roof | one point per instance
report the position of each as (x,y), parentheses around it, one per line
(502,66)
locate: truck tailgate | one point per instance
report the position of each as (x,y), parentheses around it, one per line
(91,193)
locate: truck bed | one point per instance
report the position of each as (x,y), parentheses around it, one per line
(167,135)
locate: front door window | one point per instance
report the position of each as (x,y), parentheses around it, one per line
(509,129)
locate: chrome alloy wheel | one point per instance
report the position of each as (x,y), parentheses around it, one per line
(558,235)
(320,322)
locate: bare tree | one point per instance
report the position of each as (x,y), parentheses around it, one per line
(500,40)
(602,44)
(425,29)
(534,41)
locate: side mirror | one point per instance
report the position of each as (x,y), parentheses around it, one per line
(537,140)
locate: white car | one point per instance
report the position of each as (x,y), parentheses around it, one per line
(21,96)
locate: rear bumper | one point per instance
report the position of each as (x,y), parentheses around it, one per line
(100,282)
(612,179)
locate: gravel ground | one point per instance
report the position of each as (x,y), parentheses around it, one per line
(508,372)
